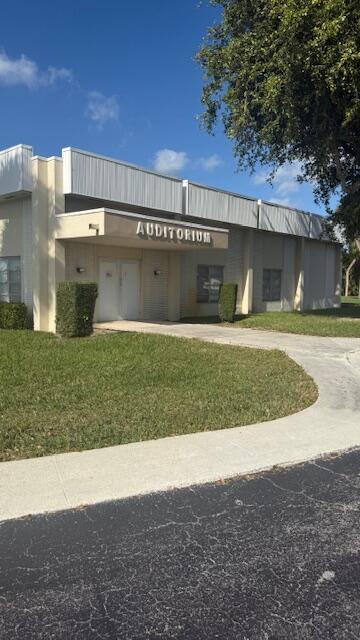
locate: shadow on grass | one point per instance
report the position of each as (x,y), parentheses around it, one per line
(350,308)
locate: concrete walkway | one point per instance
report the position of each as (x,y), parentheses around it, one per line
(331,424)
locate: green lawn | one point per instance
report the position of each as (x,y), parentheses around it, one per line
(66,395)
(342,322)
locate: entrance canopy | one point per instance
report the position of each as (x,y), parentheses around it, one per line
(109,226)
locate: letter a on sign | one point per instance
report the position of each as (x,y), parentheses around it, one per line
(140,229)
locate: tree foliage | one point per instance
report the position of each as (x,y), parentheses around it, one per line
(351,264)
(284,77)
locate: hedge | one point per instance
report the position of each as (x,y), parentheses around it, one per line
(75,304)
(13,315)
(227,302)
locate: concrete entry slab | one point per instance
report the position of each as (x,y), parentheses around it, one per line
(331,424)
(133,325)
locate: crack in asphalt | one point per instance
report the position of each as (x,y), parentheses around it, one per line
(276,556)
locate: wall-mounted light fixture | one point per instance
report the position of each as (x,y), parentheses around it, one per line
(157,272)
(80,269)
(94,227)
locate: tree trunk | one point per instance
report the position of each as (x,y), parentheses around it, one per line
(347,276)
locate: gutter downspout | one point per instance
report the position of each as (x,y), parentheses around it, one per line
(185,203)
(259,213)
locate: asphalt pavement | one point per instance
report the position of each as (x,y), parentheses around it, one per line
(271,557)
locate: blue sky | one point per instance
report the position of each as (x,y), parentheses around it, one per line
(119,78)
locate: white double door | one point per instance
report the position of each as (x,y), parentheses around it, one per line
(119,290)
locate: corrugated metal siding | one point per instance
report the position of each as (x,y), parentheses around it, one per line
(330,276)
(314,277)
(288,276)
(317,227)
(283,220)
(221,206)
(258,304)
(96,177)
(15,170)
(235,263)
(321,279)
(274,252)
(232,260)
(108,180)
(155,288)
(225,207)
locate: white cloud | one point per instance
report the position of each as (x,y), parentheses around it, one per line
(20,71)
(286,202)
(25,72)
(210,163)
(170,161)
(54,74)
(101,109)
(284,181)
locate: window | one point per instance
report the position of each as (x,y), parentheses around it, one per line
(10,280)
(271,285)
(209,279)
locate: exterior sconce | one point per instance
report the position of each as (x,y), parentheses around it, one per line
(157,272)
(94,227)
(80,269)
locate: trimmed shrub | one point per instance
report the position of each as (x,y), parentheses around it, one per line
(227,302)
(75,304)
(13,315)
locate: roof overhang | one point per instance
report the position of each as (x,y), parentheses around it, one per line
(112,227)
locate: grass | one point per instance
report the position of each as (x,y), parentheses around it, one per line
(67,395)
(341,322)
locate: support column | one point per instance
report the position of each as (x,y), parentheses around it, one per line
(49,257)
(40,243)
(300,275)
(248,272)
(174,286)
(56,271)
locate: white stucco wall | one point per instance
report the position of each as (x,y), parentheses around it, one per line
(232,261)
(15,240)
(153,288)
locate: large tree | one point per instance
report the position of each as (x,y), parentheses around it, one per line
(284,77)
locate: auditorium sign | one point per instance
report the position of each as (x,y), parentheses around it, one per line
(160,231)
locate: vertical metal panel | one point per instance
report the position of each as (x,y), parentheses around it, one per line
(67,170)
(15,170)
(221,206)
(283,220)
(288,284)
(258,304)
(315,275)
(106,179)
(235,263)
(330,275)
(274,252)
(272,258)
(155,287)
(273,249)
